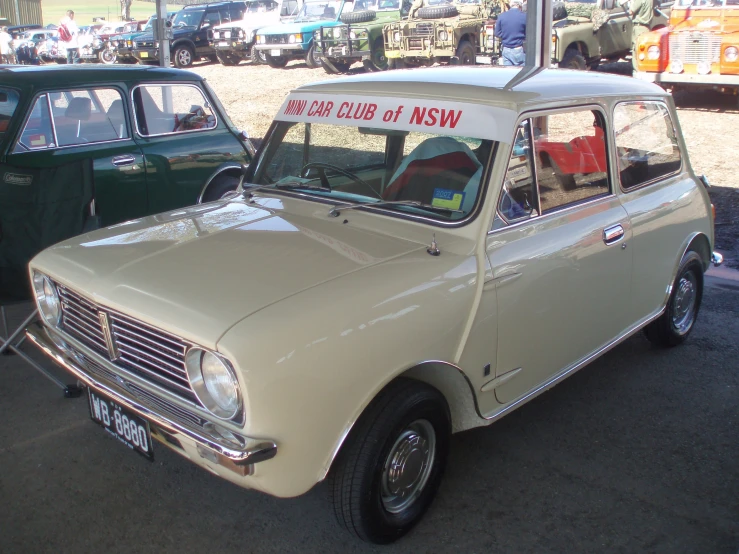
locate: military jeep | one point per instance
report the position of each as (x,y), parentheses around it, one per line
(436,31)
(361,37)
(585,32)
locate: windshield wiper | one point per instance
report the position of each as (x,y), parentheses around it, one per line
(336,210)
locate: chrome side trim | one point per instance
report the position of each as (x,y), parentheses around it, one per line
(257,450)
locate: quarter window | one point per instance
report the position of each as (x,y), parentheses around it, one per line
(8,103)
(518,199)
(646,143)
(37,134)
(168,109)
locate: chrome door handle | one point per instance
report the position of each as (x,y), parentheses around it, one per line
(612,235)
(118,161)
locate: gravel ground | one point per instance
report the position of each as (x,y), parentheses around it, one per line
(253,94)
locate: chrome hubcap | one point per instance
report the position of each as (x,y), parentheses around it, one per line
(683,305)
(184,57)
(408,466)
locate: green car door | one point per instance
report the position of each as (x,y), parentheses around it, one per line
(64,126)
(186,139)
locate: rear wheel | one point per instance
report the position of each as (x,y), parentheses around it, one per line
(276,61)
(466,53)
(676,323)
(389,470)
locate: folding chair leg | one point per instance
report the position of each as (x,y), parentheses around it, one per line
(20,330)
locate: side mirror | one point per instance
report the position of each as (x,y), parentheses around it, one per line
(706,183)
(244,136)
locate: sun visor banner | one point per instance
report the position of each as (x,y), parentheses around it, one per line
(402,114)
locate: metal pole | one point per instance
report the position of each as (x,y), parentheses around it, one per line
(18,14)
(163,39)
(538,33)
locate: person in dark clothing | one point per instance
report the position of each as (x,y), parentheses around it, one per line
(511,29)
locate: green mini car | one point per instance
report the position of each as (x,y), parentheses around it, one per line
(360,38)
(149,139)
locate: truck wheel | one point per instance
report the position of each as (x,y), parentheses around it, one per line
(258,57)
(437,12)
(466,53)
(676,323)
(390,467)
(220,188)
(358,17)
(573,60)
(341,67)
(377,61)
(183,56)
(228,59)
(311,57)
(107,56)
(276,61)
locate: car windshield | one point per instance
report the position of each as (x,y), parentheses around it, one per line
(706,3)
(261,6)
(319,11)
(8,104)
(424,174)
(376,5)
(188,18)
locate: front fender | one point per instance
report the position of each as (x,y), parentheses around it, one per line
(309,364)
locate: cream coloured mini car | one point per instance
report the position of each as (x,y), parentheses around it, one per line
(411,254)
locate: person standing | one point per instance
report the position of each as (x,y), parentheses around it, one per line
(511,29)
(68,34)
(641,13)
(6,50)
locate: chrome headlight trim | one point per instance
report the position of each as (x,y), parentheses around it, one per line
(653,52)
(731,54)
(47,299)
(206,389)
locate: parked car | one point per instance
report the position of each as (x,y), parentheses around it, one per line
(587,32)
(233,41)
(294,41)
(156,139)
(399,265)
(361,37)
(699,50)
(123,43)
(98,48)
(441,32)
(26,44)
(190,33)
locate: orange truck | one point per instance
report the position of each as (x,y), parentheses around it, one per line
(699,48)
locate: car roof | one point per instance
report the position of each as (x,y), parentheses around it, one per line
(41,77)
(514,88)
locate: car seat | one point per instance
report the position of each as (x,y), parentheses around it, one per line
(79,110)
(436,163)
(117,117)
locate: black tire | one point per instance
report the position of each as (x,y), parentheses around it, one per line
(277,62)
(311,57)
(358,17)
(573,60)
(220,187)
(559,11)
(367,501)
(341,67)
(437,12)
(678,320)
(183,56)
(377,61)
(396,63)
(107,56)
(228,59)
(466,53)
(258,57)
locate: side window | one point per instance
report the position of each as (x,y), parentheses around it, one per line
(236,11)
(518,199)
(87,116)
(167,109)
(37,134)
(571,161)
(646,144)
(212,18)
(289,7)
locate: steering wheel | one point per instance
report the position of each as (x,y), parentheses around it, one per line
(324,181)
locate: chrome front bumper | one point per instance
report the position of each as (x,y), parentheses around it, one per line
(716,259)
(216,449)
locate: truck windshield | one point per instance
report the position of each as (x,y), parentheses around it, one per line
(8,104)
(320,11)
(376,5)
(188,18)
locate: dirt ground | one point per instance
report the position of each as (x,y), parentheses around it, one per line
(710,124)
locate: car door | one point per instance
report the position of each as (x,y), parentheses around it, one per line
(615,34)
(211,19)
(557,252)
(184,139)
(68,125)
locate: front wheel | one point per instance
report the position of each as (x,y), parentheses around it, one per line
(183,56)
(258,57)
(466,53)
(676,323)
(389,470)
(573,60)
(276,61)
(227,59)
(377,61)
(312,59)
(222,188)
(108,56)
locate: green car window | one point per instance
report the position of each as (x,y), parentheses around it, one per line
(88,116)
(8,103)
(37,134)
(166,109)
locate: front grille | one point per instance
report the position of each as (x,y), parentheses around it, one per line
(423,30)
(144,44)
(694,47)
(148,352)
(276,39)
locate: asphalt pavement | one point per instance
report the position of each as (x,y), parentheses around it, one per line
(638,452)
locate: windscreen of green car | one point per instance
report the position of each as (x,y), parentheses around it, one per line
(8,103)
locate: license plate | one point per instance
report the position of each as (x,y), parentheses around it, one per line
(144,54)
(482,59)
(223,43)
(130,429)
(275,52)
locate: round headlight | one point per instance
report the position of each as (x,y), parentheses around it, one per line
(676,66)
(214,382)
(396,36)
(47,299)
(291,39)
(353,35)
(731,54)
(653,52)
(443,35)
(703,67)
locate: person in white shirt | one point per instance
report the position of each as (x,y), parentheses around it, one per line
(6,51)
(71,44)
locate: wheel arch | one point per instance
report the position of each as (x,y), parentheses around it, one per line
(229,169)
(580,46)
(182,42)
(698,242)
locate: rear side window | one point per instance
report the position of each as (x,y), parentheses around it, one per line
(8,103)
(646,143)
(171,109)
(88,115)
(37,134)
